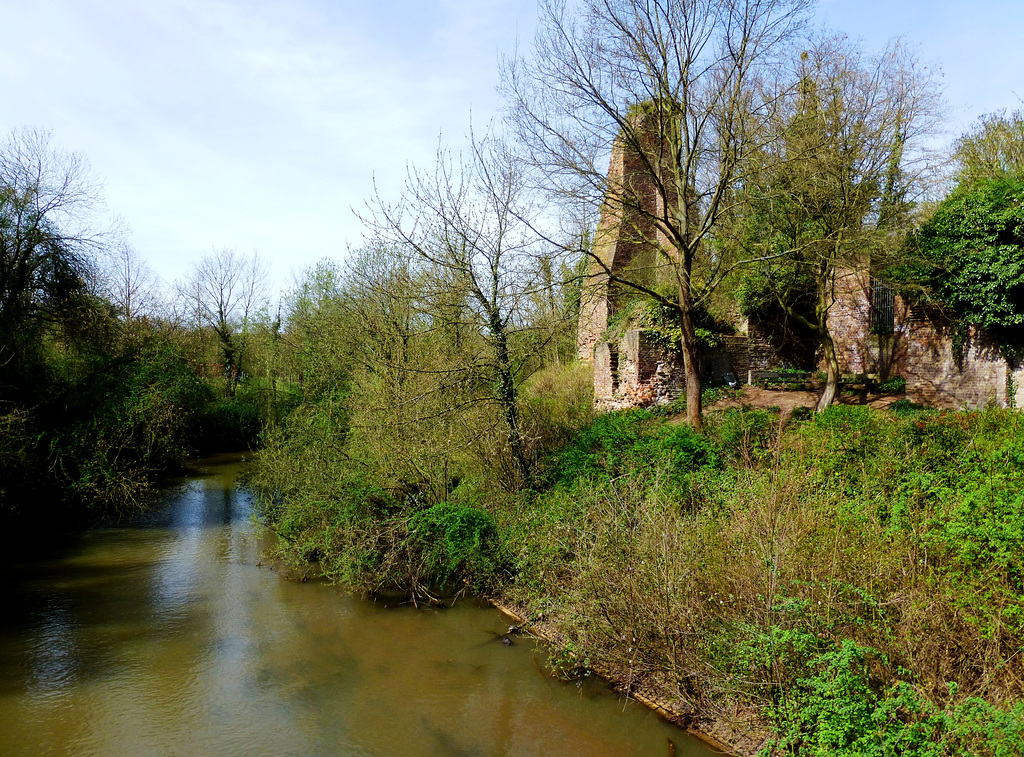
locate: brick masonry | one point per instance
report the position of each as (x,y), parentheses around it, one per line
(634,370)
(625,240)
(921,350)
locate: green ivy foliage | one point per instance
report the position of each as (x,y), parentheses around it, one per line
(972,257)
(660,322)
(455,540)
(628,442)
(842,709)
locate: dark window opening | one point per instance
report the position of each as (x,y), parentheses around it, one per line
(883,307)
(613,361)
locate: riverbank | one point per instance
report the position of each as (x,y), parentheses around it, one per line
(739,737)
(847,583)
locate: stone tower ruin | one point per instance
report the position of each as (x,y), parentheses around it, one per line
(630,368)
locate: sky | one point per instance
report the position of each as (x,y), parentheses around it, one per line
(266,124)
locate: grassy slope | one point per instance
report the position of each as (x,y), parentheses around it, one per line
(856,580)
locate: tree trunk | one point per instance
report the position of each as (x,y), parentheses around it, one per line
(507,396)
(826,298)
(691,359)
(832,369)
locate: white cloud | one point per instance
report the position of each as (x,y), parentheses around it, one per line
(257,124)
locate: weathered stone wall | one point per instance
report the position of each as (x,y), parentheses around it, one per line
(938,378)
(738,352)
(920,349)
(593,318)
(604,370)
(635,371)
(753,351)
(626,241)
(849,319)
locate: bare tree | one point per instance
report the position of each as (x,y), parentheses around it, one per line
(50,236)
(465,223)
(680,85)
(130,283)
(225,292)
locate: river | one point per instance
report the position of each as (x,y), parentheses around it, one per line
(170,636)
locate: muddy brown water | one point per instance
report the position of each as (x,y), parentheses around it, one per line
(167,637)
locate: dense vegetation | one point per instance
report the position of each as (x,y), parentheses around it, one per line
(855,579)
(100,393)
(969,255)
(849,583)
(92,418)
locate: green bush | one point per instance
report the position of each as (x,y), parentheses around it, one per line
(231,423)
(124,421)
(684,448)
(638,441)
(745,434)
(841,708)
(831,711)
(903,408)
(894,385)
(456,542)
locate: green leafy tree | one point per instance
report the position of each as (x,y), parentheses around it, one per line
(972,258)
(969,256)
(835,188)
(386,390)
(992,148)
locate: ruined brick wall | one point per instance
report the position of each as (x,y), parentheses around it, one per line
(849,319)
(634,371)
(761,356)
(937,378)
(738,352)
(625,240)
(605,371)
(630,369)
(920,349)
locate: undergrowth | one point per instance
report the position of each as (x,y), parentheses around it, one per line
(855,578)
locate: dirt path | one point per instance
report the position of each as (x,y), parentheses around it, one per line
(786,401)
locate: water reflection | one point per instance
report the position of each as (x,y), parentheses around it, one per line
(51,648)
(169,638)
